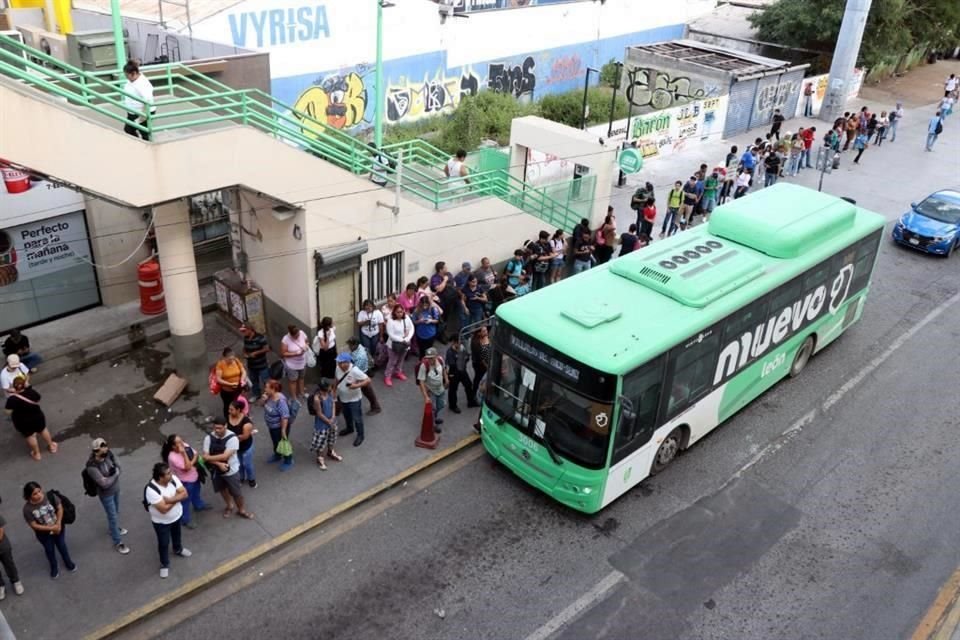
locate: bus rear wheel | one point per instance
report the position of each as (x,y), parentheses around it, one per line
(802,358)
(667,452)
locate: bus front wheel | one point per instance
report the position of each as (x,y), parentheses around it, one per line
(802,358)
(668,450)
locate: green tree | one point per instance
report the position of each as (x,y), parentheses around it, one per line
(609,73)
(815,24)
(486,116)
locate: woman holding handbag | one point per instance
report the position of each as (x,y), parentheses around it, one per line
(399,335)
(23,407)
(231,376)
(325,346)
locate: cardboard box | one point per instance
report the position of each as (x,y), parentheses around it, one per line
(168,393)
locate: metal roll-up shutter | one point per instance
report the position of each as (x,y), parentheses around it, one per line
(788,92)
(738,108)
(765,101)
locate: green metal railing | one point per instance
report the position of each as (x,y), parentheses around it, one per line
(188,99)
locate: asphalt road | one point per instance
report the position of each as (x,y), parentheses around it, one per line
(793,520)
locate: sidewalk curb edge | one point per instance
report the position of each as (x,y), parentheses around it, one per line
(262,549)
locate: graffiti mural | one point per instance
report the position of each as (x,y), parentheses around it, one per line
(338,101)
(664,90)
(774,96)
(565,69)
(519,80)
(410,101)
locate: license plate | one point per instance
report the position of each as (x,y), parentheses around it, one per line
(913,241)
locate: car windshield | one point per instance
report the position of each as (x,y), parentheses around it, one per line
(569,424)
(941,209)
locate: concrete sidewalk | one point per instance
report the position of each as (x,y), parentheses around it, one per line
(113,399)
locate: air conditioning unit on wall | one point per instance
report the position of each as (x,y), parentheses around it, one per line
(50,43)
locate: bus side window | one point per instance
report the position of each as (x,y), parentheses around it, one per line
(638,416)
(866,256)
(692,369)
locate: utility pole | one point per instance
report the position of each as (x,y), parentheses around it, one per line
(844,59)
(118,34)
(378,109)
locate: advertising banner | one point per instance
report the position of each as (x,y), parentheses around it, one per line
(43,244)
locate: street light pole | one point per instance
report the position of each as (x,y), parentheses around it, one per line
(118,34)
(613,100)
(845,58)
(586,86)
(378,108)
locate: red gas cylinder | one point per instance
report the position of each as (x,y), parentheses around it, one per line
(151,288)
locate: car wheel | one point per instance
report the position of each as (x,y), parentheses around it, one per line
(667,452)
(802,358)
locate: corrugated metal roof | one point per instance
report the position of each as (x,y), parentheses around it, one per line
(713,57)
(174,13)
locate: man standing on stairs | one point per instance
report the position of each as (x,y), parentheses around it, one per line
(138,86)
(456,172)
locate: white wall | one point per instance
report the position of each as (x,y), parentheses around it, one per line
(343,34)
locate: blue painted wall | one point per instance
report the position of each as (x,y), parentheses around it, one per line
(424,85)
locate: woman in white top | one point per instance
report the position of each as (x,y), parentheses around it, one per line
(371,321)
(164,494)
(138,100)
(456,172)
(743,184)
(293,350)
(399,335)
(325,346)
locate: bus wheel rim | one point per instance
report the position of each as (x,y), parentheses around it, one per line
(668,450)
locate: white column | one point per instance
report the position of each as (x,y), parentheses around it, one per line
(182,291)
(844,58)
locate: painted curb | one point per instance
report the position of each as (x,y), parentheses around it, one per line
(245,559)
(943,617)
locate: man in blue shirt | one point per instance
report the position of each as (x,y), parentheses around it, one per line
(460,280)
(749,163)
(934,127)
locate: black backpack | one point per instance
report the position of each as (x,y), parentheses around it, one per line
(89,485)
(149,485)
(69,510)
(311,408)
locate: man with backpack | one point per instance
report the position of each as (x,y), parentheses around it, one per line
(433,380)
(220,455)
(934,129)
(101,478)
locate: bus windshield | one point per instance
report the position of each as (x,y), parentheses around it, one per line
(566,422)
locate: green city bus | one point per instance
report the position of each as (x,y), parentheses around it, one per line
(600,380)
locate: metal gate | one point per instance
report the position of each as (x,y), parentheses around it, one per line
(764,102)
(739,107)
(789,91)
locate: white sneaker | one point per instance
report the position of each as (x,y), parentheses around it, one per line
(122,549)
(185,553)
(164,572)
(123,531)
(18,588)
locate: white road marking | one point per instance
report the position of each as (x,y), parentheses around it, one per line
(835,397)
(6,633)
(578,606)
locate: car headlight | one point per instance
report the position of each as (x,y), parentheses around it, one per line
(900,225)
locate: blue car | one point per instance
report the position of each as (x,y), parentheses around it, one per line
(932,225)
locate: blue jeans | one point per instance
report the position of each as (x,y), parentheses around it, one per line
(167,533)
(258,378)
(580,265)
(669,222)
(769,179)
(246,465)
(805,159)
(438,400)
(193,490)
(893,129)
(931,138)
(370,344)
(31,360)
(58,542)
(353,415)
(111,504)
(792,167)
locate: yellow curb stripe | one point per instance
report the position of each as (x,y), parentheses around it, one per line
(253,554)
(944,606)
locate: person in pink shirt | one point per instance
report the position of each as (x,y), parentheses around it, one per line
(182,460)
(408,299)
